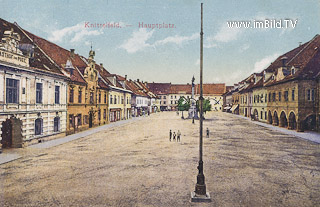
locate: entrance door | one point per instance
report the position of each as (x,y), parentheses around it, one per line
(90,119)
(6,133)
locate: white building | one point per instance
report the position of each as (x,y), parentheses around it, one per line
(32,100)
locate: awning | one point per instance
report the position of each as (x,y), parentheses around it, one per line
(234,107)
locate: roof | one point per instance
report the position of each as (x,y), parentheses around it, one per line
(180,88)
(159,88)
(135,88)
(60,56)
(305,58)
(26,44)
(212,89)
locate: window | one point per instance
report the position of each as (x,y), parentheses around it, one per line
(122,99)
(39,93)
(279,96)
(99,97)
(57,95)
(175,97)
(56,124)
(269,97)
(70,120)
(312,94)
(293,71)
(38,126)
(12,93)
(99,114)
(91,98)
(171,97)
(261,114)
(105,98)
(160,102)
(286,95)
(71,95)
(265,98)
(79,117)
(111,99)
(164,102)
(261,98)
(254,99)
(115,99)
(258,98)
(118,99)
(164,97)
(292,95)
(171,102)
(104,113)
(273,97)
(309,95)
(265,115)
(80,95)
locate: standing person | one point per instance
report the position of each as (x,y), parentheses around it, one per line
(170,135)
(174,136)
(178,136)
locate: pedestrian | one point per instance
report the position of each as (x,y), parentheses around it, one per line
(170,135)
(207,132)
(174,136)
(178,136)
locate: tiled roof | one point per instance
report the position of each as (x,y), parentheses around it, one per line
(159,88)
(102,84)
(135,88)
(212,89)
(306,58)
(60,56)
(181,88)
(39,60)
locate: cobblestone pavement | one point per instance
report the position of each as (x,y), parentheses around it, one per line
(136,165)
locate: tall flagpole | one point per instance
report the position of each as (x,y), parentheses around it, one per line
(200,194)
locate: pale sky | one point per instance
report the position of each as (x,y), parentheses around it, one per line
(170,54)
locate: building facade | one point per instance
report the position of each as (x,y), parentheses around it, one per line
(32,99)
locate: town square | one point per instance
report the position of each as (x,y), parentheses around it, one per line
(148,103)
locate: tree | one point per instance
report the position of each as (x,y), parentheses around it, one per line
(206,105)
(183,105)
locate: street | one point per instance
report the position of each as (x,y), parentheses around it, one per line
(136,165)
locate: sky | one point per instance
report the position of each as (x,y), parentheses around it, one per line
(170,52)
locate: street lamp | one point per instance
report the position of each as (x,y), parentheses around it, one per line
(200,194)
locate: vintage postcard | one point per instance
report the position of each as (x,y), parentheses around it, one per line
(160,103)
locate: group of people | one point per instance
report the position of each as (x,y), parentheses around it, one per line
(174,135)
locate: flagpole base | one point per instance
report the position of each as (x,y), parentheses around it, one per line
(200,198)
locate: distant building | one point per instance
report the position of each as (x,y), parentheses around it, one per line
(162,90)
(213,92)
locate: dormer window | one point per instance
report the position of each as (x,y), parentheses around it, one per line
(114,80)
(293,71)
(272,77)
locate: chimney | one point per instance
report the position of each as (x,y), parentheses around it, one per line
(101,65)
(137,80)
(72,53)
(125,77)
(284,61)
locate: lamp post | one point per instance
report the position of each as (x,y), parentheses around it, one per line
(200,194)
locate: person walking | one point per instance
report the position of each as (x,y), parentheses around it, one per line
(174,136)
(178,136)
(170,135)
